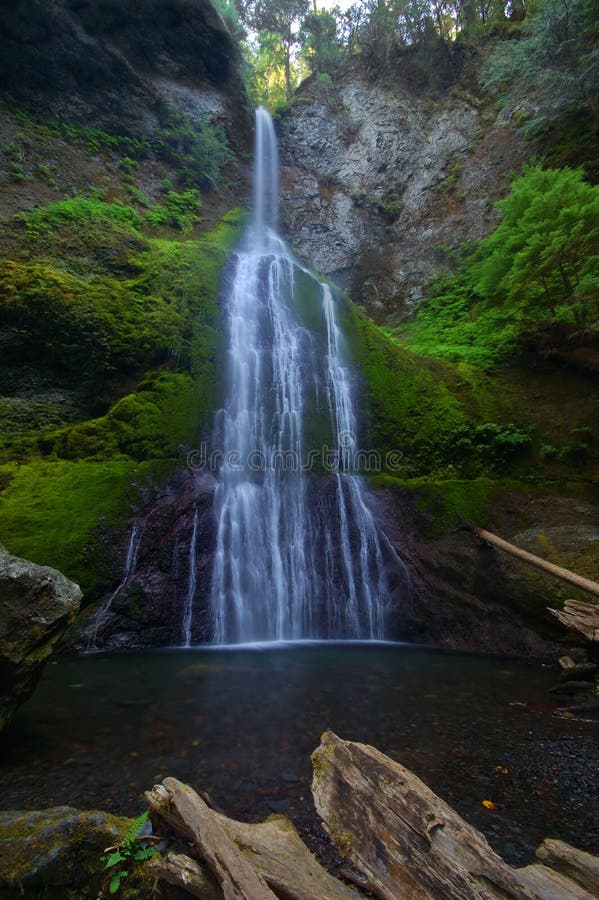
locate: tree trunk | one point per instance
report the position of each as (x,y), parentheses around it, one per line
(575,864)
(584,584)
(179,805)
(273,849)
(185,873)
(406,841)
(580,617)
(288,67)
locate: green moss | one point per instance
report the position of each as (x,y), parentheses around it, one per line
(410,410)
(444,504)
(99,326)
(53,512)
(56,855)
(165,412)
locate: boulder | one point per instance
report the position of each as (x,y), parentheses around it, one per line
(61,847)
(37,604)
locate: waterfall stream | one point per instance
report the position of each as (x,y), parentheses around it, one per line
(128,570)
(298,552)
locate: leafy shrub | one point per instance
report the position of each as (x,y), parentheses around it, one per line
(537,270)
(179,210)
(80,211)
(198,148)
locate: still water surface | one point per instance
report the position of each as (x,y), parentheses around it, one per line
(241,724)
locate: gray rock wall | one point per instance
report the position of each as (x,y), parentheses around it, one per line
(380,181)
(122,65)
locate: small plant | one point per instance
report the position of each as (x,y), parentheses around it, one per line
(330,180)
(179,210)
(128,165)
(324,81)
(15,171)
(130,850)
(359,198)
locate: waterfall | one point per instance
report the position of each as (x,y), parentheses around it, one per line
(128,570)
(191,582)
(298,553)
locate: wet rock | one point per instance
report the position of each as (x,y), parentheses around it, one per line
(37,604)
(61,847)
(572,687)
(573,671)
(122,65)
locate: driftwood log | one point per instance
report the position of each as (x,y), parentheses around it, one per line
(404,843)
(575,864)
(580,617)
(185,873)
(407,841)
(584,584)
(248,861)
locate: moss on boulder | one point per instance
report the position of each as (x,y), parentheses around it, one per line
(55,852)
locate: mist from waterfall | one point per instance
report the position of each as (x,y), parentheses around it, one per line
(298,552)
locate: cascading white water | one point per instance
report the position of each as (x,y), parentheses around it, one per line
(295,558)
(191,582)
(128,570)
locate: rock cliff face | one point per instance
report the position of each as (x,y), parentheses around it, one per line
(36,606)
(119,64)
(380,182)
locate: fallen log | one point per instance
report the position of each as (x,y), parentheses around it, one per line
(406,841)
(575,864)
(187,813)
(548,884)
(273,849)
(580,617)
(185,873)
(584,584)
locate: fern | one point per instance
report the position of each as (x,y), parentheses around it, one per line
(129,850)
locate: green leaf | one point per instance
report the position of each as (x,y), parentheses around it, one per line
(114,859)
(145,853)
(115,881)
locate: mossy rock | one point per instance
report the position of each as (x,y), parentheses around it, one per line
(56,852)
(59,513)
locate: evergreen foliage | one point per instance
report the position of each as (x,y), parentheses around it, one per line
(537,272)
(552,65)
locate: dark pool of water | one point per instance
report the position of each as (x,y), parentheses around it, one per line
(241,724)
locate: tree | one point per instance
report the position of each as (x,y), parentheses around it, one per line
(279,17)
(265,81)
(320,43)
(542,258)
(554,62)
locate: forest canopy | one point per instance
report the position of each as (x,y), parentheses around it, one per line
(549,46)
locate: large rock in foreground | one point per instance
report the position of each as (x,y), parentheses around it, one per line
(55,848)
(36,606)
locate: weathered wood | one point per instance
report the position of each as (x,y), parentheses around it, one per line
(185,873)
(273,848)
(179,805)
(407,841)
(584,584)
(550,885)
(286,864)
(575,864)
(581,617)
